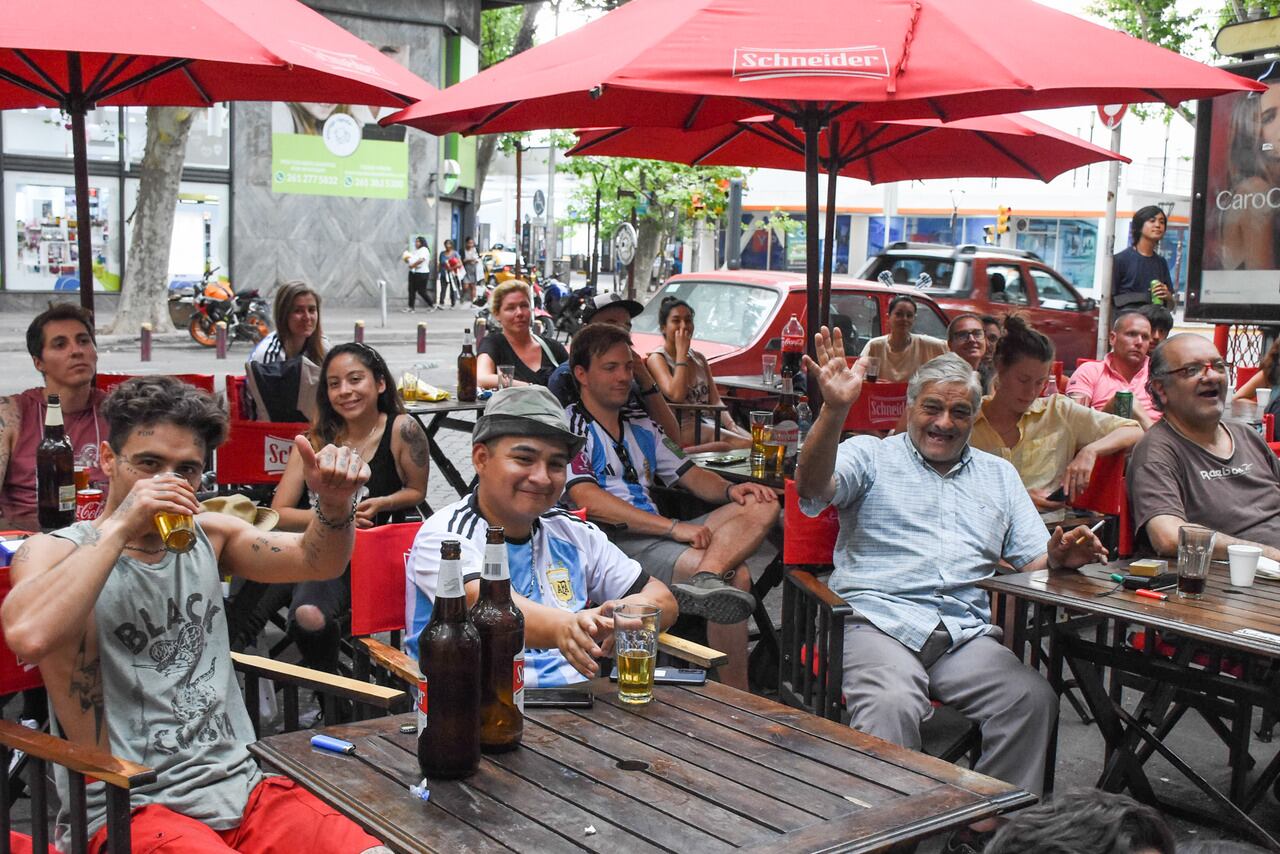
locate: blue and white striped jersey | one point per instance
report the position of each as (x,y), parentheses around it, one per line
(566,563)
(628,468)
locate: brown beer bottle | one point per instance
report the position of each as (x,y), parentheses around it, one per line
(467,369)
(501,628)
(786,423)
(55,471)
(449,657)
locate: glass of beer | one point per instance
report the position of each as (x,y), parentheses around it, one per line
(1195,552)
(635,645)
(775,453)
(178,531)
(760,419)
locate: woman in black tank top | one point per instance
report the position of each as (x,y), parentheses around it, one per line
(357,406)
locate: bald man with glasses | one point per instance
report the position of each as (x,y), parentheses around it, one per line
(1195,467)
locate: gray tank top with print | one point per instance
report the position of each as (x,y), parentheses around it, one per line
(170,692)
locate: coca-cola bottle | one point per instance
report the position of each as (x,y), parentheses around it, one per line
(55,471)
(501,628)
(792,346)
(449,657)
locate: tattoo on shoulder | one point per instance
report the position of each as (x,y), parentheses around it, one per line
(86,686)
(411,433)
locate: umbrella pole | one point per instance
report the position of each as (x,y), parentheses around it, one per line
(80,152)
(812,124)
(829,247)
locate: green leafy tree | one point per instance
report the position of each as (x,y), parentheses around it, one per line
(1188,33)
(504,33)
(666,198)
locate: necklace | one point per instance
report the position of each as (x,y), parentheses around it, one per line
(359,447)
(141,550)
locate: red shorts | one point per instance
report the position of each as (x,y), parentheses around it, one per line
(280,817)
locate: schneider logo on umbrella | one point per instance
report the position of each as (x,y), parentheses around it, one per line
(760,63)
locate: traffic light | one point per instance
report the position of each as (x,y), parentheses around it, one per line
(1002,220)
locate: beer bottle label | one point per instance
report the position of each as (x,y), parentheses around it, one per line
(450,583)
(787,434)
(495,562)
(422,705)
(67,497)
(517,680)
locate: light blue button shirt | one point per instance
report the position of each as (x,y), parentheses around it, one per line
(914,543)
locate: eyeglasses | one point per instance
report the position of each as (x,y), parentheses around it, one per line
(1197,369)
(629,473)
(975,334)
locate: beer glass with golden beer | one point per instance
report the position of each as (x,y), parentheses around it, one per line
(177,530)
(635,644)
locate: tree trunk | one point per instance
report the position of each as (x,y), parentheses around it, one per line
(489,143)
(144,290)
(648,242)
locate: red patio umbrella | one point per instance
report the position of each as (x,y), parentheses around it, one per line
(78,54)
(701,63)
(1013,146)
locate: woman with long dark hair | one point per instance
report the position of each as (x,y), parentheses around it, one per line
(1135,270)
(1052,441)
(902,351)
(684,376)
(357,407)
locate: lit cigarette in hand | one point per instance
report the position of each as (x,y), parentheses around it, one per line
(1080,539)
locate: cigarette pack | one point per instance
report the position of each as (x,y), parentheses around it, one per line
(1148,568)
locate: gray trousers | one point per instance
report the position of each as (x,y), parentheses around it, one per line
(887,690)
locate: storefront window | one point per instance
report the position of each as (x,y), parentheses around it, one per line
(208,145)
(45,132)
(42,253)
(200,229)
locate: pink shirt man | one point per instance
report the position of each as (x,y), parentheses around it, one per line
(1098,382)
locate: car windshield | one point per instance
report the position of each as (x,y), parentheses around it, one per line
(723,312)
(905,270)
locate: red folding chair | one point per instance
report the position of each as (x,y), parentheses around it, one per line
(878,408)
(106,382)
(813,622)
(1244,373)
(255,452)
(1108,494)
(379,587)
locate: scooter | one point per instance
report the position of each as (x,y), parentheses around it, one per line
(245,313)
(566,305)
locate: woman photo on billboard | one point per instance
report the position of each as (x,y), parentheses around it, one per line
(1248,220)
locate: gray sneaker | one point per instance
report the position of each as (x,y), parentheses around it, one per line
(706,595)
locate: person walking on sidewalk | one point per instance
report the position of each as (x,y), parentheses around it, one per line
(419,261)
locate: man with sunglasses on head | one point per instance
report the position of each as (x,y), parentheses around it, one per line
(702,559)
(1194,467)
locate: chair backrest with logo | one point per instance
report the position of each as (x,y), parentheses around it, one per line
(878,408)
(255,451)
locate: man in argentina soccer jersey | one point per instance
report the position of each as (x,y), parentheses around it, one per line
(566,577)
(703,559)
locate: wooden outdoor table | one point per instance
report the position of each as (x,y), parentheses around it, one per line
(436,416)
(1125,632)
(705,768)
(740,471)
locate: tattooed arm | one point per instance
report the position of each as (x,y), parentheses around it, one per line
(321,551)
(409,447)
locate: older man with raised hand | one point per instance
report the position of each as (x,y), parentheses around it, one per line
(910,567)
(1195,468)
(1095,384)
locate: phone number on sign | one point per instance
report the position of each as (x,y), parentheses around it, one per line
(364,181)
(297,178)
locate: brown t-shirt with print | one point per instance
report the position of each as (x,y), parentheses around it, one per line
(1169,475)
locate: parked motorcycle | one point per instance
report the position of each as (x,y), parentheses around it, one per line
(566,305)
(246,313)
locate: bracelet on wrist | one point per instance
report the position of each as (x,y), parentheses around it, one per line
(671,530)
(681,364)
(727,497)
(337,526)
(653,389)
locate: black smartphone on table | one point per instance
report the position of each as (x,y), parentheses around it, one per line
(673,675)
(558,698)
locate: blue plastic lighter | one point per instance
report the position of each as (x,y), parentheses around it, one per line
(334,745)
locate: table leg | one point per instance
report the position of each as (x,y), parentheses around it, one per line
(1121,767)
(438,456)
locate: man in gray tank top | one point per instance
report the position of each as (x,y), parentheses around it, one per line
(132,642)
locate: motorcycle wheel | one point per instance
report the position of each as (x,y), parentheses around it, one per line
(202,331)
(258,325)
(546,327)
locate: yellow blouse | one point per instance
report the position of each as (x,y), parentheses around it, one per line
(1051,433)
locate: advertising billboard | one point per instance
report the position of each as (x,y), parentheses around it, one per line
(1234,258)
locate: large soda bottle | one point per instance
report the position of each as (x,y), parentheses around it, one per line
(786,424)
(792,346)
(449,657)
(467,369)
(501,628)
(55,471)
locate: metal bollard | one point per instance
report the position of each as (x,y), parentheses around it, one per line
(359,332)
(382,301)
(220,333)
(145,342)
(422,337)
